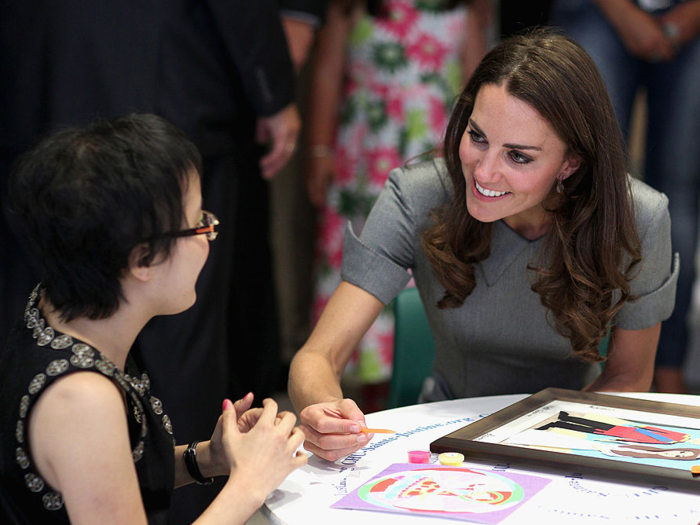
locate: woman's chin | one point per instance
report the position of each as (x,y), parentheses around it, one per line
(478,213)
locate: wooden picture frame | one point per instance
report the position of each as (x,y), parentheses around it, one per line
(603,437)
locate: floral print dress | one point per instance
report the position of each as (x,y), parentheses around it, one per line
(403,73)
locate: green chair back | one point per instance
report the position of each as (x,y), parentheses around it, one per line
(414,349)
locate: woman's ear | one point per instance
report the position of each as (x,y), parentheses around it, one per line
(139,267)
(571,166)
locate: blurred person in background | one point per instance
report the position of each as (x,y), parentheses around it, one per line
(654,45)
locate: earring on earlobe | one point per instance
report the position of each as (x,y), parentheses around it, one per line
(560,185)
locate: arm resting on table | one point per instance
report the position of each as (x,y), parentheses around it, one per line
(630,367)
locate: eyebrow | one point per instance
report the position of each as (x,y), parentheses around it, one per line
(512,146)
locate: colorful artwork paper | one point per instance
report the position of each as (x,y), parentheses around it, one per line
(462,493)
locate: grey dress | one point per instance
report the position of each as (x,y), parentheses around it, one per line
(500,340)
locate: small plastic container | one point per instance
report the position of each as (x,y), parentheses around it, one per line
(453,459)
(418,456)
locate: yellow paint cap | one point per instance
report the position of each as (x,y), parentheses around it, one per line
(453,459)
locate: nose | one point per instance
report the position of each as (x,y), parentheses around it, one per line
(487,168)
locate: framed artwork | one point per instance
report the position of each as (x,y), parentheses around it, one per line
(596,434)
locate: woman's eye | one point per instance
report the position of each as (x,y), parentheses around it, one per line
(519,158)
(475,137)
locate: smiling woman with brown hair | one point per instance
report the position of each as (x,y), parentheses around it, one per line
(528,243)
(591,244)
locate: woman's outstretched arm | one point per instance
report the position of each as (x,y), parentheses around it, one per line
(331,423)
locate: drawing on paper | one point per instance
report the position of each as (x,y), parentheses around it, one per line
(451,492)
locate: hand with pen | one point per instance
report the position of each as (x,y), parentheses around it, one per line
(333,429)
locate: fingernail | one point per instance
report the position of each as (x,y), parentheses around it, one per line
(354,429)
(226,404)
(362,439)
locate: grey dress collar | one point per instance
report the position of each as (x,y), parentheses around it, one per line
(510,246)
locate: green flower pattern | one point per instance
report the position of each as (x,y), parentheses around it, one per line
(390,56)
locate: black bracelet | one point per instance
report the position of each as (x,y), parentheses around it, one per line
(190,457)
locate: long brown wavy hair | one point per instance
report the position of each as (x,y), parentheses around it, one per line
(592,246)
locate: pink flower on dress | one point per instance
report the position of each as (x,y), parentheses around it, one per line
(400,20)
(417,93)
(379,90)
(427,51)
(380,162)
(330,237)
(437,116)
(395,106)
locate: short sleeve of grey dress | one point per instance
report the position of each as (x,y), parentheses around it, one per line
(500,340)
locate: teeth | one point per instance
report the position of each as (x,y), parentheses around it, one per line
(489,193)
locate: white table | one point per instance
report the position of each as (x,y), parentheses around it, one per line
(306,495)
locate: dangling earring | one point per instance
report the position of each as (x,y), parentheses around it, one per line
(560,186)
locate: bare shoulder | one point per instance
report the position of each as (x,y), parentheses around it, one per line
(78,428)
(82,390)
(81,407)
(79,440)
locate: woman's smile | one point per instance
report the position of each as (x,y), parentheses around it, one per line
(489,193)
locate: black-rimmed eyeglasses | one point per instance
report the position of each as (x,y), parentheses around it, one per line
(207,226)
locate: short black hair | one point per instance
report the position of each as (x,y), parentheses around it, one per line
(90,195)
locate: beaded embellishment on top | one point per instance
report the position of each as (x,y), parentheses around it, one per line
(82,356)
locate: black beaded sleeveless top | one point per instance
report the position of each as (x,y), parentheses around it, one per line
(36,356)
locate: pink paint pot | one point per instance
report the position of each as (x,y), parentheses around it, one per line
(418,456)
